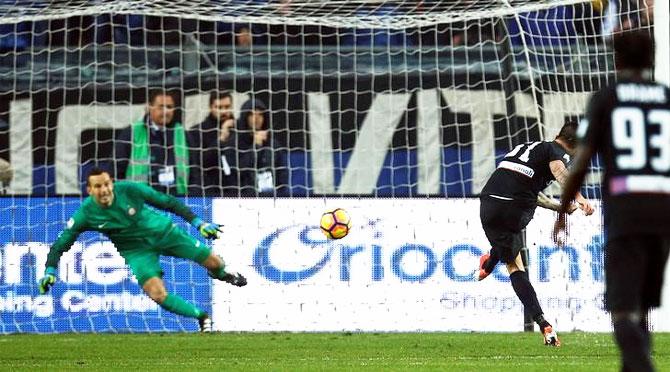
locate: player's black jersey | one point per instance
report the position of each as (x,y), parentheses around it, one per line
(629,125)
(524,171)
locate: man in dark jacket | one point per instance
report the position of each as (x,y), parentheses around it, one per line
(262,160)
(154,149)
(214,154)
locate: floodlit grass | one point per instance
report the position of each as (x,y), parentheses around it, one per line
(317,351)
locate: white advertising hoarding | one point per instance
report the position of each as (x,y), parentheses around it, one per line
(407,265)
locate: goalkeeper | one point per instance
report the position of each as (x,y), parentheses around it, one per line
(121,211)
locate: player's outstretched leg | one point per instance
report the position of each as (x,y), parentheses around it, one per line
(173,303)
(216,269)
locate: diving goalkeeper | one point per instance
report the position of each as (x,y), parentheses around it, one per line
(141,235)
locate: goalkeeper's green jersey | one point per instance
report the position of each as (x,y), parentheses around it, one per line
(128,222)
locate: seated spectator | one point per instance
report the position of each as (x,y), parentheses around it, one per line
(214,154)
(262,161)
(154,149)
(243,36)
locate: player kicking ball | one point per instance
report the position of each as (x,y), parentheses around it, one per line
(508,202)
(121,211)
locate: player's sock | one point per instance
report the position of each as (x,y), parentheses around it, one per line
(539,319)
(634,350)
(524,290)
(492,261)
(178,305)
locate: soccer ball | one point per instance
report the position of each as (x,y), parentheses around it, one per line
(336,224)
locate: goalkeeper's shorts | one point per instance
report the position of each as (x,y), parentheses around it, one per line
(144,262)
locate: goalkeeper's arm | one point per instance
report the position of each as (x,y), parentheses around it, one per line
(65,240)
(174,205)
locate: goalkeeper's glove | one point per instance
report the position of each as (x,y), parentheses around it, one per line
(48,280)
(206,229)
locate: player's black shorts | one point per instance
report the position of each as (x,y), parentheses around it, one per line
(503,222)
(634,268)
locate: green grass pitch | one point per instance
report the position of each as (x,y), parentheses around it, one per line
(317,352)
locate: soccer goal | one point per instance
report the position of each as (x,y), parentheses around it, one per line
(397,111)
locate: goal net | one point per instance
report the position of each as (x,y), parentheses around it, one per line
(381,101)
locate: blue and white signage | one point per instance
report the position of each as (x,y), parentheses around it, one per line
(406,265)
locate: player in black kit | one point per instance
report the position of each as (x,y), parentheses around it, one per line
(508,202)
(628,124)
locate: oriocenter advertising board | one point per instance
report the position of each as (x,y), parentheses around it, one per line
(406,265)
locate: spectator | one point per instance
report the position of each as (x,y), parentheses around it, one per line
(214,156)
(243,36)
(154,149)
(262,163)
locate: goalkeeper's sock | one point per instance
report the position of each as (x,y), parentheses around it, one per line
(178,305)
(219,273)
(526,293)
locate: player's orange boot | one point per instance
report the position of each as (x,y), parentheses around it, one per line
(550,336)
(481,274)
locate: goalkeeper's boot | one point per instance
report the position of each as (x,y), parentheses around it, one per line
(205,323)
(481,274)
(235,279)
(550,336)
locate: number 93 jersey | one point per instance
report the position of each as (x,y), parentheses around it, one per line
(628,124)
